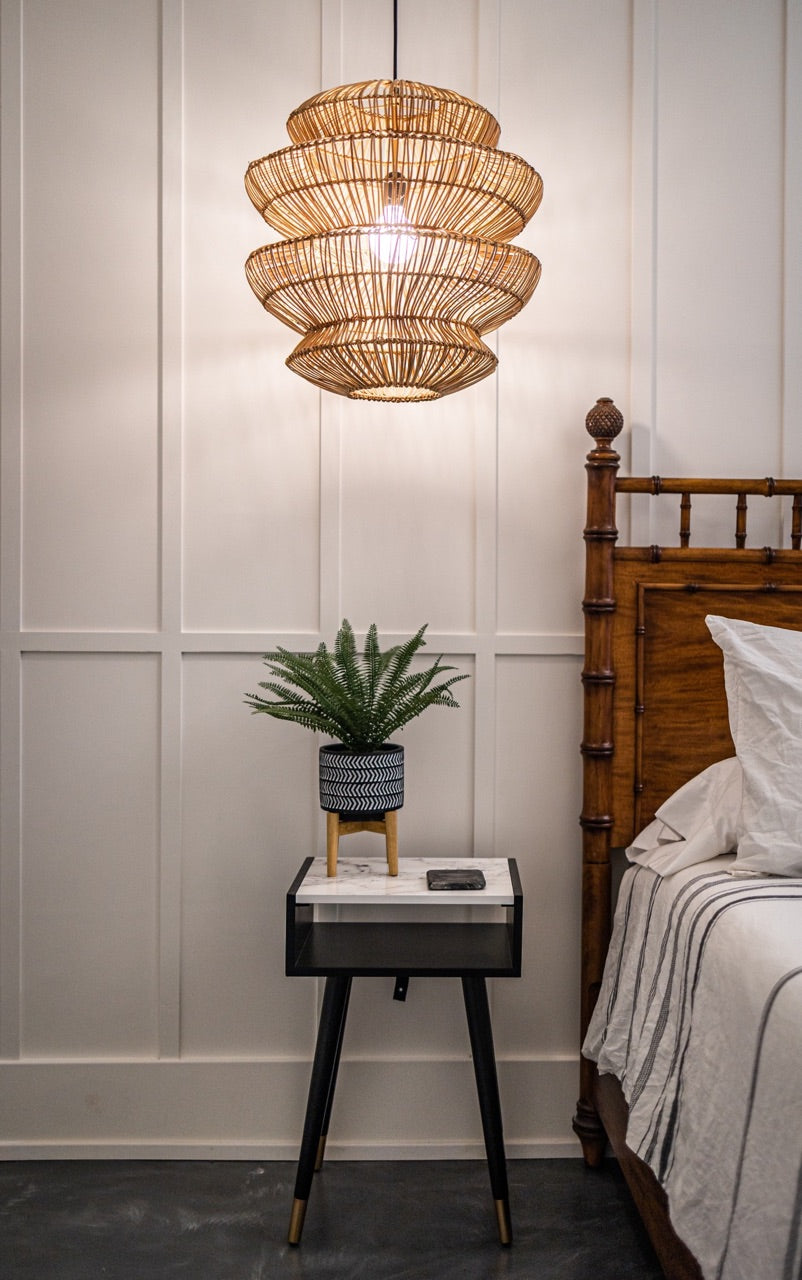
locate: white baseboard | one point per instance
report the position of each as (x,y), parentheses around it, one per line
(415,1109)
(335,1151)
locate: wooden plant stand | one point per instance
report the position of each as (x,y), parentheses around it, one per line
(338,825)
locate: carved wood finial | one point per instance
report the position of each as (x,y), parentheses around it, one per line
(604,422)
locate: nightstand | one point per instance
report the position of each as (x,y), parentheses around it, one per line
(325,937)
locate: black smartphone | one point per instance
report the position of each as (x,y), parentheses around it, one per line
(461,878)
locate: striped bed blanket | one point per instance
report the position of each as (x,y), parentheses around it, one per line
(700,1018)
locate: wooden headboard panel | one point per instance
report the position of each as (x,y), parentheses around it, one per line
(654,697)
(669,706)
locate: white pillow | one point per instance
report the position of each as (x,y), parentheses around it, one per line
(699,821)
(763,678)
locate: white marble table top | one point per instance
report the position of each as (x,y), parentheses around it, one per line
(365,881)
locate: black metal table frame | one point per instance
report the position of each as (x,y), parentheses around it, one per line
(341,951)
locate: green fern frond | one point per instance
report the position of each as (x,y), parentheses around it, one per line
(357,698)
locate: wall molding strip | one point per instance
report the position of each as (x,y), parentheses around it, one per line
(643,323)
(171,529)
(10,526)
(791,441)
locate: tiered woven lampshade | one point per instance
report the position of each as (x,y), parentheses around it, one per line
(399,210)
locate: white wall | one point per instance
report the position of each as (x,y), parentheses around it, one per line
(175,502)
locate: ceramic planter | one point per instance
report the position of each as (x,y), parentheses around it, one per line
(360,783)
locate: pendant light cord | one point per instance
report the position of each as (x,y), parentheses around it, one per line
(395,39)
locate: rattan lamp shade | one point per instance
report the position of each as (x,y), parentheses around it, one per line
(463,186)
(398,210)
(389,106)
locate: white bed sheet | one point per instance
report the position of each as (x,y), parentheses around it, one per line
(700,1018)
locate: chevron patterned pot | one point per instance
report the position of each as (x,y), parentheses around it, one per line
(361,782)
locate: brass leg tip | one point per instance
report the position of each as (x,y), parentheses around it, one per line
(296,1221)
(321,1151)
(504,1224)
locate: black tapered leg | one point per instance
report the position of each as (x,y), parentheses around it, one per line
(321,1089)
(324,1133)
(477,1009)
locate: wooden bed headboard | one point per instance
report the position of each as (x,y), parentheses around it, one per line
(654,698)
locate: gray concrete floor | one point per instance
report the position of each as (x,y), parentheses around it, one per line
(227,1220)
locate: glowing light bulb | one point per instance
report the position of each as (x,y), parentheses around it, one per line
(393,239)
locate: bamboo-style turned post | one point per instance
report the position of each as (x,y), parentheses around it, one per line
(740,520)
(685,520)
(604,422)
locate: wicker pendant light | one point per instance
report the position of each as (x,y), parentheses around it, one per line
(398,209)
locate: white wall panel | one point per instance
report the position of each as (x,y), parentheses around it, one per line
(719,237)
(250,817)
(90,314)
(89,855)
(565,106)
(429,1025)
(537,822)
(440,770)
(251,477)
(418,564)
(85,1110)
(361,34)
(439,44)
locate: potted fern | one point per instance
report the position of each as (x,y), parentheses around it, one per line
(359,698)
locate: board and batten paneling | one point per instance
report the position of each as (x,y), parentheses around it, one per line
(89,888)
(575,333)
(251,450)
(89,316)
(175,503)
